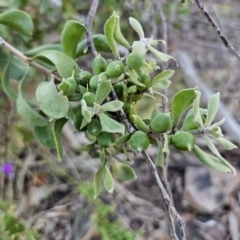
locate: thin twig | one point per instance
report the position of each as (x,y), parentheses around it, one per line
(88,25)
(20,55)
(167,201)
(217,29)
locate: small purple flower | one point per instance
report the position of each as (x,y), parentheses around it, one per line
(8,169)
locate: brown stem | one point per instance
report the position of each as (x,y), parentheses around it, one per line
(20,55)
(167,201)
(88,25)
(217,29)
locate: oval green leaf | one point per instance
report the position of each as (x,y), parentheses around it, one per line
(7,87)
(57,132)
(103,90)
(100,43)
(44,134)
(123,171)
(210,161)
(51,101)
(98,180)
(112,106)
(25,110)
(17,20)
(137,27)
(110,125)
(62,62)
(165,75)
(213,106)
(72,32)
(108,180)
(109,29)
(181,102)
(161,56)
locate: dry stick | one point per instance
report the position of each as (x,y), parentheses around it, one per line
(158,8)
(20,55)
(217,29)
(167,201)
(88,25)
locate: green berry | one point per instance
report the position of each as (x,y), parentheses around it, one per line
(139,141)
(183,141)
(161,123)
(105,139)
(68,86)
(134,61)
(99,65)
(93,83)
(89,98)
(115,69)
(83,78)
(94,127)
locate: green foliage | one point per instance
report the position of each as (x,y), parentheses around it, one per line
(12,228)
(96,101)
(108,227)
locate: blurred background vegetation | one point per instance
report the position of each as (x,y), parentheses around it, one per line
(47,199)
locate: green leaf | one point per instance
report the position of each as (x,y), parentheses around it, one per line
(112,106)
(24,109)
(139,48)
(165,75)
(72,32)
(100,43)
(225,143)
(109,29)
(121,140)
(85,111)
(141,125)
(181,102)
(103,90)
(137,27)
(108,180)
(44,134)
(213,106)
(214,150)
(87,147)
(210,161)
(162,56)
(160,157)
(40,49)
(123,171)
(197,118)
(110,125)
(118,34)
(98,180)
(57,131)
(164,84)
(51,101)
(217,124)
(7,87)
(17,20)
(62,62)
(134,77)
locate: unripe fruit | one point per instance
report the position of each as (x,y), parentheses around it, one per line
(118,87)
(93,83)
(139,141)
(183,141)
(134,61)
(99,65)
(94,127)
(115,69)
(89,98)
(161,123)
(68,86)
(105,139)
(83,78)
